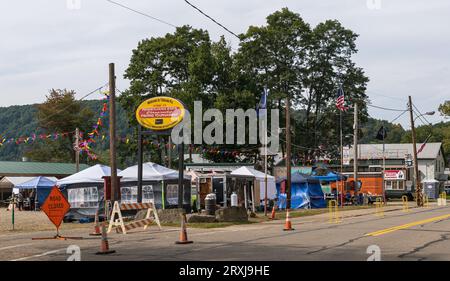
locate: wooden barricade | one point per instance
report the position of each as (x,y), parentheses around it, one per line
(121,226)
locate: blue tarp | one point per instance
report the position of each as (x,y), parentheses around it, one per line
(330,176)
(305,192)
(42,185)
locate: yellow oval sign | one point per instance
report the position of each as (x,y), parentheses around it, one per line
(160,113)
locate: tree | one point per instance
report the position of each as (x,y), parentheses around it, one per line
(60,113)
(308,65)
(445,108)
(179,65)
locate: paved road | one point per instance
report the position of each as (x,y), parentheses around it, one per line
(420,234)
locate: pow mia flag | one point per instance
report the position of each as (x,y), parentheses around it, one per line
(381,135)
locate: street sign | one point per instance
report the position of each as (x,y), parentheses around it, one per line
(56,206)
(394,175)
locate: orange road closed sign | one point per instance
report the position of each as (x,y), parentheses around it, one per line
(56,206)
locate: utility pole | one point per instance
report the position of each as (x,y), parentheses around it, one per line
(288,153)
(419,194)
(384,163)
(355,145)
(112,133)
(77,149)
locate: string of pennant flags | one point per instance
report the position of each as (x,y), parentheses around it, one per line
(89,139)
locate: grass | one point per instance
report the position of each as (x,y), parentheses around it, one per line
(261,218)
(312,212)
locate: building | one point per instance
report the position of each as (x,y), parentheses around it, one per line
(398,177)
(27,170)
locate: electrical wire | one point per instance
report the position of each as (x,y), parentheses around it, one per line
(400,115)
(142,13)
(421,115)
(384,108)
(209,17)
(62,109)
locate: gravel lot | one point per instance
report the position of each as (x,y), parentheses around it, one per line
(29,221)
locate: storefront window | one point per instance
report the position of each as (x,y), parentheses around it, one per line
(395,185)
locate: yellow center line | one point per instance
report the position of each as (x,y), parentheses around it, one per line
(408,225)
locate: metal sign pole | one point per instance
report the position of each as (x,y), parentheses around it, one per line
(180,174)
(140,164)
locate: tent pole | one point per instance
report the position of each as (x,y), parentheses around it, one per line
(253,196)
(245,196)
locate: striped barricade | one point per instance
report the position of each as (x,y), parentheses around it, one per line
(122,227)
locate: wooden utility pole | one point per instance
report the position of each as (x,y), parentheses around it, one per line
(419,194)
(112,133)
(355,145)
(77,149)
(288,153)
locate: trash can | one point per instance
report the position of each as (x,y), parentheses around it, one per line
(210,204)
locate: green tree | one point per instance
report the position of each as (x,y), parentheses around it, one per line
(445,108)
(60,113)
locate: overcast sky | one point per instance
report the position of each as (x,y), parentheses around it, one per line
(403,45)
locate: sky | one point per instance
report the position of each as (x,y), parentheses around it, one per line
(403,44)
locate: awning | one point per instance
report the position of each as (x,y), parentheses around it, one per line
(150,172)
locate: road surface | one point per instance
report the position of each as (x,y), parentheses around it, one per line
(420,234)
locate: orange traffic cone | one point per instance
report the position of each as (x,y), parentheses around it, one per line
(104,248)
(272,217)
(96,226)
(288,225)
(183,232)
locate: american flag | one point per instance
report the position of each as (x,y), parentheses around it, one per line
(340,100)
(423,144)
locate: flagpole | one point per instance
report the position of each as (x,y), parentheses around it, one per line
(265,171)
(265,156)
(342,159)
(384,164)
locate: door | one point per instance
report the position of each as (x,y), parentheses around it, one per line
(218,189)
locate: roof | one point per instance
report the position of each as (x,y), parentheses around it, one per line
(92,174)
(250,172)
(396,151)
(11,168)
(13,181)
(299,178)
(37,182)
(150,172)
(215,167)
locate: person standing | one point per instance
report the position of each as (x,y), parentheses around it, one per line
(20,201)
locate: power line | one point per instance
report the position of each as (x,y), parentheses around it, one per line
(421,115)
(385,108)
(385,96)
(142,13)
(216,22)
(400,115)
(62,109)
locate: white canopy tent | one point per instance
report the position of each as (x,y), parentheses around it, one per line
(150,172)
(93,174)
(11,182)
(258,176)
